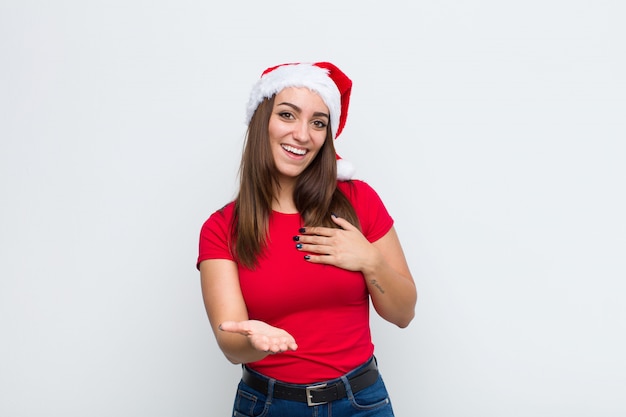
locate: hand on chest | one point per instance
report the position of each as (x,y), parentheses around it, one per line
(284,283)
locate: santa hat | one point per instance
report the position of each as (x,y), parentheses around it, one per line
(324,78)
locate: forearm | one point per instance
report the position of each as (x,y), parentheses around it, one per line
(393,294)
(224,302)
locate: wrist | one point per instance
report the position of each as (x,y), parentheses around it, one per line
(373,262)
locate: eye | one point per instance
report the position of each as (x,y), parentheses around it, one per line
(286,115)
(319,124)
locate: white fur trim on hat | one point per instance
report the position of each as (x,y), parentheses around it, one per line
(297,75)
(345,170)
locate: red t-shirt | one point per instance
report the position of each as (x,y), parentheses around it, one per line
(325,308)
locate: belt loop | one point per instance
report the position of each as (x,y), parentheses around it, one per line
(270,390)
(348,387)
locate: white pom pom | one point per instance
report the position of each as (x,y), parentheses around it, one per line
(345,170)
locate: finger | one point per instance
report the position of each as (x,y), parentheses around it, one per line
(316,231)
(282,347)
(320,259)
(343,223)
(316,249)
(273,349)
(233,327)
(276,348)
(317,239)
(289,343)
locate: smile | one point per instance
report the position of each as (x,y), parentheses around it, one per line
(293,150)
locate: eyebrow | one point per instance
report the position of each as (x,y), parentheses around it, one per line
(299,110)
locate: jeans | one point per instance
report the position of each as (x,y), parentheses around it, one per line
(372,401)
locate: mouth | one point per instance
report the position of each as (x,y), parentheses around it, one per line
(294,151)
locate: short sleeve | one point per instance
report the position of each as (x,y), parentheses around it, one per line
(215,236)
(373,215)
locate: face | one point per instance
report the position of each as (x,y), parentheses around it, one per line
(297,130)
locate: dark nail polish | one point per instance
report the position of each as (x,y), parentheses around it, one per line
(307,257)
(302,230)
(299,246)
(296,238)
(333,214)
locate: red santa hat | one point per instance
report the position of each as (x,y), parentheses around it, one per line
(325,79)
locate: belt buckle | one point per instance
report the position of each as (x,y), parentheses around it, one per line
(309,395)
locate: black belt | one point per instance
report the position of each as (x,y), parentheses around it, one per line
(315,394)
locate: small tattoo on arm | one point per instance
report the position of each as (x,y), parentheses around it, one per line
(377,285)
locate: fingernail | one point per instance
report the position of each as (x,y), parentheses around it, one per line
(307,257)
(302,230)
(298,245)
(333,214)
(296,238)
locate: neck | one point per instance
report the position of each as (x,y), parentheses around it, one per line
(283,197)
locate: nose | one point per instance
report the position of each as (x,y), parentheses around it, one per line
(301,131)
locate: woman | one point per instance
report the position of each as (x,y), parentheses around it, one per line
(288,268)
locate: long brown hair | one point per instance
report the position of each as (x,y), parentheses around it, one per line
(316,195)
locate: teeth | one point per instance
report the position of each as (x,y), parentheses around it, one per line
(294,150)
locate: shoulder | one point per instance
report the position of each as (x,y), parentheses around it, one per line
(357,190)
(351,185)
(221,217)
(215,235)
(373,215)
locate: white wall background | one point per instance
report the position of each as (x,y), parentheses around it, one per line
(494,131)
